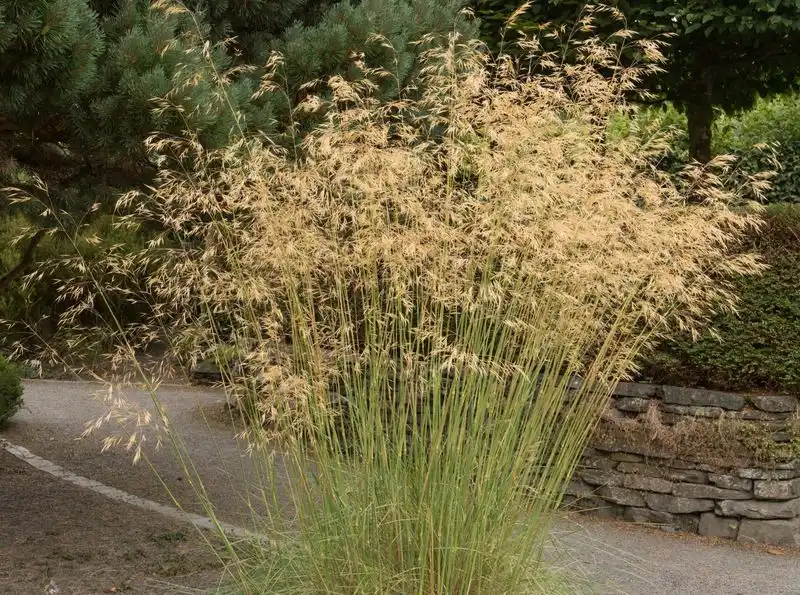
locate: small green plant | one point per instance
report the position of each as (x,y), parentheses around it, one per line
(10,390)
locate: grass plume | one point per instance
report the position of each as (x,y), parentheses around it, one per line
(410,297)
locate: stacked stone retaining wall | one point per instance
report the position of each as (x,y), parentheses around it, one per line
(750,502)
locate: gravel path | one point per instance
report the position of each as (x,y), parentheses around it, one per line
(608,557)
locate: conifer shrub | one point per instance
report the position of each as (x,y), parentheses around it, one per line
(10,390)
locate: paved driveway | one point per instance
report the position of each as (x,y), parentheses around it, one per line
(607,557)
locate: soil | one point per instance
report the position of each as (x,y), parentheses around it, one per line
(59,538)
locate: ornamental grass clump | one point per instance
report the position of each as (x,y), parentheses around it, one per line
(431,300)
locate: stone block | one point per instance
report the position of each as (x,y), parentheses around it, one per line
(579,489)
(626,457)
(682,475)
(647,483)
(622,496)
(674,395)
(636,390)
(687,522)
(781,533)
(693,490)
(631,404)
(730,482)
(595,506)
(754,473)
(686,475)
(776,490)
(647,516)
(705,412)
(774,403)
(677,505)
(759,509)
(640,468)
(697,466)
(783,436)
(757,415)
(600,477)
(603,463)
(611,443)
(712,525)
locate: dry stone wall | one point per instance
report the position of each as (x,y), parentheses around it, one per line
(643,482)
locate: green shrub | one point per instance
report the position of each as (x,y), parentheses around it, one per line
(775,120)
(758,348)
(10,390)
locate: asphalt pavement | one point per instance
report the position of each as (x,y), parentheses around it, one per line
(603,556)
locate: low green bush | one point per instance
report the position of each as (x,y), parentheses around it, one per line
(758,348)
(10,390)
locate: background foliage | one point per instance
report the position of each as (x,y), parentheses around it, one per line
(758,348)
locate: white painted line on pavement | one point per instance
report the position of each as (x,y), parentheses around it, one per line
(114,494)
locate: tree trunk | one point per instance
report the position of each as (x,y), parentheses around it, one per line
(700,117)
(24,262)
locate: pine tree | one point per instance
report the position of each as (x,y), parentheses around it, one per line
(108,61)
(48,61)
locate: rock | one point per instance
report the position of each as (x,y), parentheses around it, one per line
(694,465)
(640,468)
(597,463)
(579,489)
(612,415)
(752,473)
(687,522)
(593,505)
(647,516)
(636,389)
(632,404)
(571,502)
(777,490)
(729,482)
(783,436)
(677,504)
(647,483)
(712,525)
(759,509)
(781,533)
(206,371)
(774,403)
(600,477)
(626,457)
(682,475)
(621,496)
(686,475)
(709,412)
(599,507)
(612,443)
(756,415)
(693,490)
(674,395)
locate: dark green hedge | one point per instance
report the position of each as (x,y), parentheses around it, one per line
(760,347)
